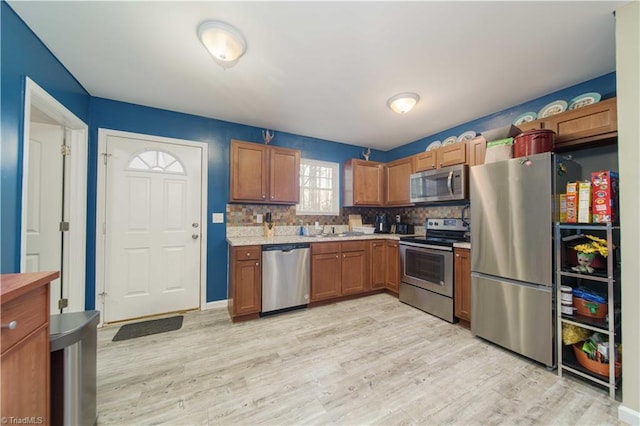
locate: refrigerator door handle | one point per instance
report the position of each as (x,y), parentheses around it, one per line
(450,183)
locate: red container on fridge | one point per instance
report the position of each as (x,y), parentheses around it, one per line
(535,141)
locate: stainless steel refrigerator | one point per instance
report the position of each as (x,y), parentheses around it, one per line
(512,279)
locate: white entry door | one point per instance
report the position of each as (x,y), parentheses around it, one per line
(44,204)
(152,227)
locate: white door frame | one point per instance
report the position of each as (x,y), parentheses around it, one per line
(101,208)
(76,134)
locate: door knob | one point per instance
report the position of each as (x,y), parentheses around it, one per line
(195,236)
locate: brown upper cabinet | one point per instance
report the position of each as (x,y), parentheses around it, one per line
(581,128)
(363,183)
(264,174)
(476,150)
(442,157)
(397,174)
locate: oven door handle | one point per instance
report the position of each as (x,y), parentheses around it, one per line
(450,183)
(427,247)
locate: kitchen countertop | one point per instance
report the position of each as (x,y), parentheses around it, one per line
(288,239)
(463,245)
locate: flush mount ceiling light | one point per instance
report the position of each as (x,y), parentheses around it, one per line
(403,102)
(225,43)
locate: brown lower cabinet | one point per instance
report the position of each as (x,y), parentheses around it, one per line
(354,267)
(338,269)
(385,265)
(325,271)
(245,282)
(392,281)
(25,359)
(462,284)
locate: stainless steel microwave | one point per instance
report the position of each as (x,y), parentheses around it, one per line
(445,184)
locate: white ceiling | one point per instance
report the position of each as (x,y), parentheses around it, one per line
(326,69)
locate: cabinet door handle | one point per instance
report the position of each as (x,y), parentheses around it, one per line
(457,255)
(10,326)
(264,195)
(257,263)
(344,255)
(248,254)
(336,256)
(273,196)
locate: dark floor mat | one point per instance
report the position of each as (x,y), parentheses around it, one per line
(145,328)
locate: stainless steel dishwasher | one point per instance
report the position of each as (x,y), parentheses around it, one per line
(286,276)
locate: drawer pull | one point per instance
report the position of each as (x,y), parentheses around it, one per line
(11,326)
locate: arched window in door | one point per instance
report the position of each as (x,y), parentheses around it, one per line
(156,161)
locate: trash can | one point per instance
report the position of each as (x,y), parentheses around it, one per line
(73,368)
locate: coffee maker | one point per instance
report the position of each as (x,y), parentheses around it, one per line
(383,223)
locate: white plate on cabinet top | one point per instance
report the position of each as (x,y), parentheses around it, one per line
(584,100)
(525,118)
(466,136)
(434,145)
(555,107)
(449,140)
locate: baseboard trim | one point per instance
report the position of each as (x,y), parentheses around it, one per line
(629,416)
(215,304)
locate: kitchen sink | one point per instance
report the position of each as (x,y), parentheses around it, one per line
(342,234)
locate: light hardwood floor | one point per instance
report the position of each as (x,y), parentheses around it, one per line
(371,360)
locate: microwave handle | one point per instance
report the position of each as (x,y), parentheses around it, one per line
(450,183)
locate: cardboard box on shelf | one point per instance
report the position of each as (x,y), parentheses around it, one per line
(572,202)
(562,199)
(584,202)
(605,196)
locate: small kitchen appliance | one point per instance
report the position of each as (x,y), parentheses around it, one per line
(427,266)
(383,223)
(443,184)
(404,228)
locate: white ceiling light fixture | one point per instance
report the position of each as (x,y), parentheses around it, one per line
(225,43)
(403,102)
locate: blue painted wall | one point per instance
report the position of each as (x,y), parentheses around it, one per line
(605,85)
(217,134)
(23,54)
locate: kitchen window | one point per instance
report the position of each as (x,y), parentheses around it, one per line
(319,188)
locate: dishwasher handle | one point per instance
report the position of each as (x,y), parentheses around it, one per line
(285,247)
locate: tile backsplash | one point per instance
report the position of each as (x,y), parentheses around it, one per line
(245,214)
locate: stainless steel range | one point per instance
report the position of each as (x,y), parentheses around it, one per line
(427,266)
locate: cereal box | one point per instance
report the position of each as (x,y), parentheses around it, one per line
(604,186)
(563,207)
(572,202)
(584,201)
